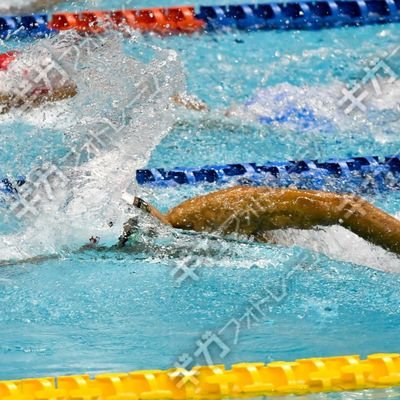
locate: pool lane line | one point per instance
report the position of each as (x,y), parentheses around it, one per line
(301,376)
(311,172)
(307,15)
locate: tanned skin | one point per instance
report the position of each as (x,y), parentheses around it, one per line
(11,100)
(255,211)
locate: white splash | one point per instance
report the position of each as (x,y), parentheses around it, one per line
(342,245)
(130,102)
(322,108)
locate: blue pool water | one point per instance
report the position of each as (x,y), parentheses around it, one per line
(108,310)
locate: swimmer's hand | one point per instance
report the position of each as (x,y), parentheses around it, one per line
(189,102)
(141,204)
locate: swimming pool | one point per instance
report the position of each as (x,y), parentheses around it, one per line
(109,310)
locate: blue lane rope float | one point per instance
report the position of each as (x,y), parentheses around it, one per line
(25,26)
(301,15)
(358,173)
(35,25)
(289,15)
(307,173)
(10,188)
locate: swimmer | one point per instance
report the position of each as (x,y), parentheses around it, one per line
(256,211)
(295,108)
(36,97)
(21,86)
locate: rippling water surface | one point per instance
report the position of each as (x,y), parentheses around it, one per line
(316,294)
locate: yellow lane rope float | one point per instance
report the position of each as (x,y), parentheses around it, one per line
(329,374)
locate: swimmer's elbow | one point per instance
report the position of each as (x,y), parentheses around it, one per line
(165,220)
(352,205)
(159,215)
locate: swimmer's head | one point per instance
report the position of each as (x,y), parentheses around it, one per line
(131,227)
(132,223)
(94,240)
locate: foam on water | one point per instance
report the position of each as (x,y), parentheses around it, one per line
(285,122)
(96,310)
(93,197)
(340,244)
(125,100)
(287,107)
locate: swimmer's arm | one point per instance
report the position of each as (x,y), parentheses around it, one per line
(160,216)
(146,207)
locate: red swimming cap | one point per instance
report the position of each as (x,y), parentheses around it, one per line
(6,59)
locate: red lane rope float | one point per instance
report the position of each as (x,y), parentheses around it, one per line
(185,19)
(87,21)
(152,20)
(160,20)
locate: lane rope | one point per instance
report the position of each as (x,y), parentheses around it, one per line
(302,376)
(185,19)
(311,173)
